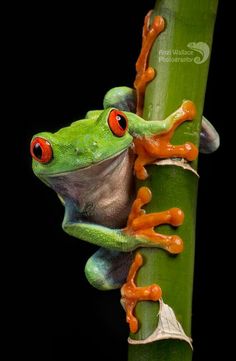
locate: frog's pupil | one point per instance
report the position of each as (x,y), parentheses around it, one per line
(38,151)
(122,121)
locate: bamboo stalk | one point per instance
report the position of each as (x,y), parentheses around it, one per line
(172,186)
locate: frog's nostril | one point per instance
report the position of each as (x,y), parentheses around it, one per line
(41,150)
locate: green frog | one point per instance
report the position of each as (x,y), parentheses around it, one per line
(92,164)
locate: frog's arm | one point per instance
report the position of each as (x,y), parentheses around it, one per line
(114,239)
(140,127)
(152,139)
(137,233)
(124,98)
(102,236)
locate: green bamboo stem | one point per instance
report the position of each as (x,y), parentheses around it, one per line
(172,186)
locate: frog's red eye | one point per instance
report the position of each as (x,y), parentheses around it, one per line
(41,150)
(118,122)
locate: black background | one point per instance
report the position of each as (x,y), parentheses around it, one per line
(64,58)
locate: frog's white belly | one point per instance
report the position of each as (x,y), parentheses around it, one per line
(102,193)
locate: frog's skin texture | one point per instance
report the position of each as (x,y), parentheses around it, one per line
(91,169)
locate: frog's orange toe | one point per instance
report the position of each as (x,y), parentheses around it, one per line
(177,217)
(176,245)
(150,73)
(189,109)
(133,324)
(140,171)
(158,24)
(144,194)
(154,292)
(191,151)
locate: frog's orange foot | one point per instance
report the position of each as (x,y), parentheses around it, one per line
(131,294)
(150,149)
(160,150)
(142,225)
(144,73)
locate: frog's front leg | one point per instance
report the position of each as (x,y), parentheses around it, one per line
(138,232)
(114,239)
(101,236)
(151,148)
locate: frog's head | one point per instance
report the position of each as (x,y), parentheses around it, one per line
(83,144)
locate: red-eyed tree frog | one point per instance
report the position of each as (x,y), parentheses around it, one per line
(92,164)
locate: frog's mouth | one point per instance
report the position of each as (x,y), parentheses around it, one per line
(102,193)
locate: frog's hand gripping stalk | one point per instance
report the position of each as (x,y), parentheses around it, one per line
(124,98)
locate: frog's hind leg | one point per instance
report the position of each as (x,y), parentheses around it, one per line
(209,137)
(107,270)
(122,98)
(145,73)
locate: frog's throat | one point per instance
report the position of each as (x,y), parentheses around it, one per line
(101,193)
